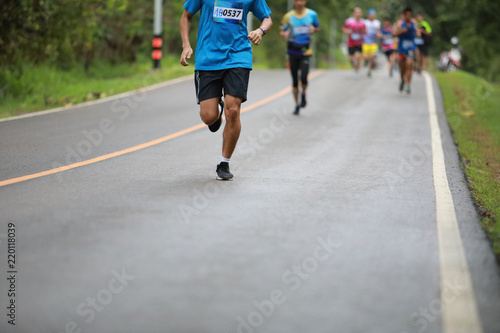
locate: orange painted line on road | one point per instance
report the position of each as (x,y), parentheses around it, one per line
(144,145)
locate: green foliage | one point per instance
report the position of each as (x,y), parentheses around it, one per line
(74,86)
(69,33)
(477,26)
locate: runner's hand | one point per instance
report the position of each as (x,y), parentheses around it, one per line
(285,34)
(255,36)
(187,52)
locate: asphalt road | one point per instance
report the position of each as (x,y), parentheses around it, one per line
(328,226)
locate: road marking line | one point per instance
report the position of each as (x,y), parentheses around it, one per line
(144,145)
(102,100)
(460,314)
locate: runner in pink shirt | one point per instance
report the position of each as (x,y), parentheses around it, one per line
(355,28)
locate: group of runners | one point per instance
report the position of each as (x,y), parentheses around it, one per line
(223,59)
(404,42)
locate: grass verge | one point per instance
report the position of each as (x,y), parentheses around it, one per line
(45,87)
(472,108)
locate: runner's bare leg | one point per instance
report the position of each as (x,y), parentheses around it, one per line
(209,110)
(232,108)
(402,70)
(409,66)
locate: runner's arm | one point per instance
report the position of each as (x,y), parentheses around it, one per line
(314,29)
(256,35)
(346,30)
(185,26)
(285,34)
(425,32)
(315,25)
(399,30)
(285,28)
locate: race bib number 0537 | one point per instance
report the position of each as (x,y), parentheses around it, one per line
(228,12)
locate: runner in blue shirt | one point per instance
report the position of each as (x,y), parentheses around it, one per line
(406,31)
(223,61)
(297,28)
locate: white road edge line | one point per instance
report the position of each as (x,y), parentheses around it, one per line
(459,313)
(103,100)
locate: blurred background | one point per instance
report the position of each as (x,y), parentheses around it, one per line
(84,47)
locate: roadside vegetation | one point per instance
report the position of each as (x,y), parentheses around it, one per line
(103,46)
(472,107)
(45,86)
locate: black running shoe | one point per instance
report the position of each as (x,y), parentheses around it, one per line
(401,86)
(223,171)
(296,112)
(215,126)
(303,102)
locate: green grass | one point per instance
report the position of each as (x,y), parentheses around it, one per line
(472,107)
(44,86)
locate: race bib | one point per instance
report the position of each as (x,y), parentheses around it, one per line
(407,44)
(355,36)
(301,30)
(419,41)
(388,41)
(228,12)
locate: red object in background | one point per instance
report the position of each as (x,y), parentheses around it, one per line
(157,43)
(156,54)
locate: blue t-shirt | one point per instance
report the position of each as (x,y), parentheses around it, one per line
(407,40)
(222,32)
(387,39)
(300,27)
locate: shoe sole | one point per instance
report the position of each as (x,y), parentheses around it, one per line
(223,179)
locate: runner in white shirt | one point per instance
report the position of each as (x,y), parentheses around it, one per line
(370,45)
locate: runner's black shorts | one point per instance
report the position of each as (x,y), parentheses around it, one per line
(354,49)
(388,53)
(211,84)
(423,49)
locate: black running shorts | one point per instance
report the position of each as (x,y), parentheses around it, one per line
(388,53)
(211,84)
(354,49)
